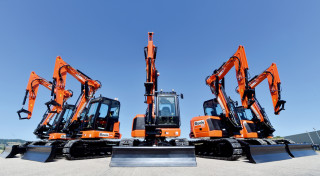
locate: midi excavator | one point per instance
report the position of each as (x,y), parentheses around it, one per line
(150,131)
(57,138)
(262,123)
(65,136)
(31,93)
(231,134)
(260,118)
(91,133)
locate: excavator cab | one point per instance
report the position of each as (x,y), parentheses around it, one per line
(167,110)
(212,108)
(249,129)
(102,119)
(166,122)
(41,130)
(62,118)
(99,130)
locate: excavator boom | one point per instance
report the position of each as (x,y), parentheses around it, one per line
(239,61)
(61,69)
(274,82)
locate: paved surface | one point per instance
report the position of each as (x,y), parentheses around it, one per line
(298,166)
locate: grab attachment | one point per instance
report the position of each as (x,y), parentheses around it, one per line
(25,112)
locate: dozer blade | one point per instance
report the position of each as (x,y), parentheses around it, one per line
(39,153)
(12,150)
(160,156)
(299,150)
(267,153)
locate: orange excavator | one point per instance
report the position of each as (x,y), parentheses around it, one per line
(67,125)
(150,146)
(57,137)
(231,133)
(93,132)
(262,123)
(32,89)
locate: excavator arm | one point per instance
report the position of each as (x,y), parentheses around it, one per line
(216,84)
(227,105)
(89,87)
(150,53)
(239,61)
(274,82)
(59,81)
(31,94)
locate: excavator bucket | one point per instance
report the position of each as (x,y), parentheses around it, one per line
(160,156)
(40,153)
(300,150)
(12,150)
(267,153)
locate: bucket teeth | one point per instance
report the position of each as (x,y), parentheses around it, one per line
(171,156)
(39,153)
(300,150)
(267,153)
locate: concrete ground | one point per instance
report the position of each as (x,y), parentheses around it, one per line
(296,166)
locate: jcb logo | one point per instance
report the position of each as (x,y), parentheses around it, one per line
(200,122)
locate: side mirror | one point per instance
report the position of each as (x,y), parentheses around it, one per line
(181,95)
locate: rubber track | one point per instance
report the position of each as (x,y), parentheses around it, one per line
(236,147)
(68,146)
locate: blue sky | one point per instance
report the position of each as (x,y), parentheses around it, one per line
(105,40)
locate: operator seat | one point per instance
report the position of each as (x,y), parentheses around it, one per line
(165,111)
